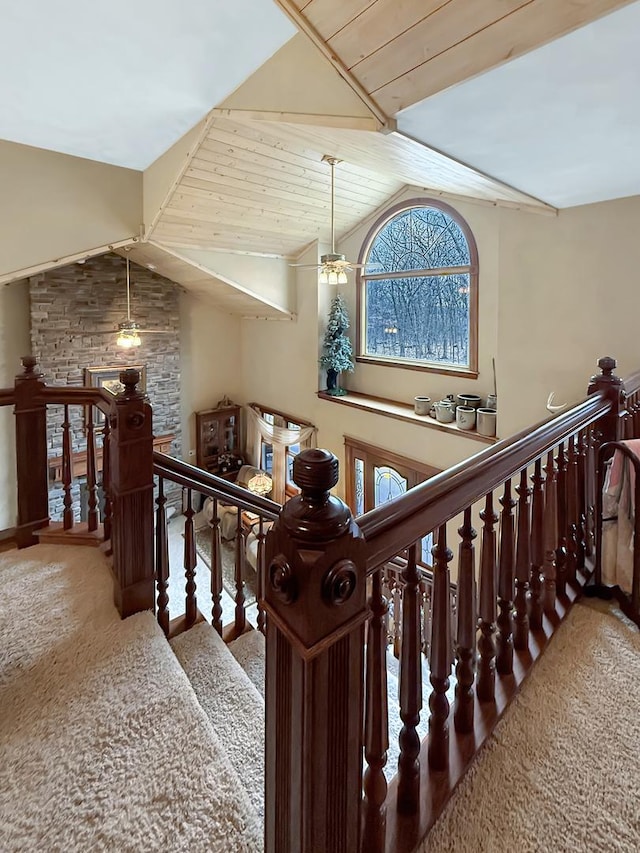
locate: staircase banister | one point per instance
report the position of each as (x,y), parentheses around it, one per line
(7,396)
(394,526)
(208,484)
(77,395)
(631,383)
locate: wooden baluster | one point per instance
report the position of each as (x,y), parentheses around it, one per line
(240,621)
(216,570)
(592,449)
(582,517)
(537,547)
(376,727)
(561,550)
(440,658)
(106,478)
(466,628)
(162,559)
(523,564)
(397,617)
(260,564)
(485,685)
(92,488)
(506,571)
(190,559)
(426,619)
(410,688)
(572,510)
(67,472)
(550,534)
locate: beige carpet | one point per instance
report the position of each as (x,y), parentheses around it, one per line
(563,770)
(103,745)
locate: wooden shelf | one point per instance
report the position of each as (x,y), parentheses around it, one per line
(402,412)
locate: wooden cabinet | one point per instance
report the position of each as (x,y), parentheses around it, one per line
(217,433)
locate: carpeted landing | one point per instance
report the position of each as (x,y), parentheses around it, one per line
(111,742)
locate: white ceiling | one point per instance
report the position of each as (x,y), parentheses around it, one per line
(561,123)
(121,81)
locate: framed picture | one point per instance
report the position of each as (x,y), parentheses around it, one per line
(109,379)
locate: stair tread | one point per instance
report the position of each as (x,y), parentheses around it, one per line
(249,651)
(233,705)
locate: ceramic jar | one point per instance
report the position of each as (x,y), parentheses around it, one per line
(421,405)
(471,400)
(487,421)
(465,417)
(444,412)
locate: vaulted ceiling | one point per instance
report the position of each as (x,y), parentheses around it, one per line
(472,98)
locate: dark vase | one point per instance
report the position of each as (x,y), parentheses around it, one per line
(332,381)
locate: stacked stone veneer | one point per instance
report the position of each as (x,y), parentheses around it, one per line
(69,307)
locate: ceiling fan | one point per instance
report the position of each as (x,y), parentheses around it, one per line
(333,266)
(128,330)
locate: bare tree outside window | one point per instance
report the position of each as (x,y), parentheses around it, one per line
(417,289)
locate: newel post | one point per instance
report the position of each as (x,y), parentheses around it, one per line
(31,454)
(131,488)
(611,425)
(316,609)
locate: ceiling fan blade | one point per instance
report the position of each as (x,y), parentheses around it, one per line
(306,266)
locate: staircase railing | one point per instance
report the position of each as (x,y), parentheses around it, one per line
(327,704)
(125,454)
(194,482)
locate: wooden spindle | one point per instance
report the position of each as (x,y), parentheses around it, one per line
(537,547)
(550,534)
(216,569)
(190,560)
(376,727)
(506,573)
(92,487)
(67,472)
(562,525)
(106,478)
(162,559)
(485,686)
(592,449)
(440,658)
(466,627)
(240,621)
(410,688)
(572,510)
(523,564)
(396,617)
(261,569)
(582,510)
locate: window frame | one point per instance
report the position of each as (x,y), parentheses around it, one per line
(446,369)
(282,419)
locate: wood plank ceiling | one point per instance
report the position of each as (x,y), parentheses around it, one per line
(402,51)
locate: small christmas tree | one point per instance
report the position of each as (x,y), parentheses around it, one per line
(337,355)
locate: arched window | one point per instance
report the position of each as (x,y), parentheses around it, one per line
(418,303)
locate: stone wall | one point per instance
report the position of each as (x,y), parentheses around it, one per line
(74,310)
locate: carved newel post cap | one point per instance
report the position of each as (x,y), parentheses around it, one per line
(29,363)
(607,364)
(315,514)
(130,378)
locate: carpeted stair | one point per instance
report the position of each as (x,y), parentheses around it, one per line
(103,743)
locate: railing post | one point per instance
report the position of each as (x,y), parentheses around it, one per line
(31,454)
(131,488)
(315,599)
(611,426)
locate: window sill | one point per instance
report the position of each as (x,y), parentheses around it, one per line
(464,372)
(402,412)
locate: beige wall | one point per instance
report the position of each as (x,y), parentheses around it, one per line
(568,295)
(14,343)
(53,206)
(210,362)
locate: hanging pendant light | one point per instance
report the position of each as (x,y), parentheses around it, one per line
(332,265)
(128,331)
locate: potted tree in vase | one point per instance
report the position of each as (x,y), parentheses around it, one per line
(337,354)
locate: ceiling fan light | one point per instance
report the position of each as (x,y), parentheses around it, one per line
(333,277)
(342,277)
(323,278)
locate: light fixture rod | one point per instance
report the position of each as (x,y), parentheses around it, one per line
(128,294)
(333,204)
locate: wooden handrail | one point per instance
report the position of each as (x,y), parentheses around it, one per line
(632,383)
(215,487)
(77,396)
(390,528)
(7,396)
